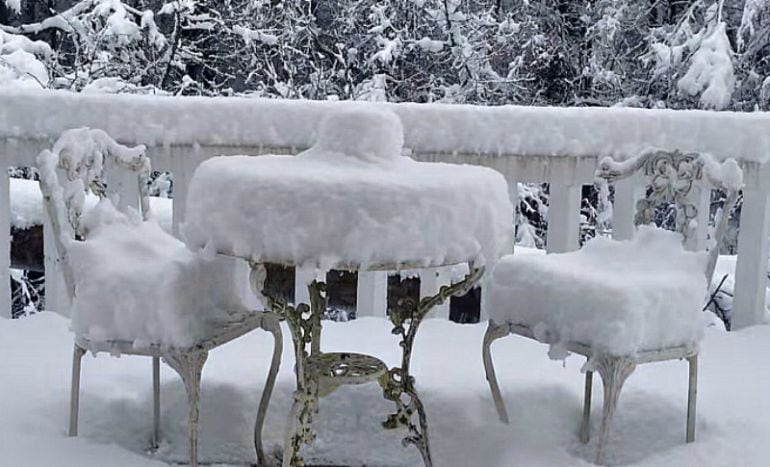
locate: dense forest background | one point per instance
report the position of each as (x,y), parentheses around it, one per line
(645,53)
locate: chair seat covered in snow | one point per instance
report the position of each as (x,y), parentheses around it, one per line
(134,288)
(352,201)
(617,297)
(162,294)
(619,303)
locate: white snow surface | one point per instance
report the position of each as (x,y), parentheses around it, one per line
(350,200)
(543,397)
(135,282)
(428,128)
(711,70)
(20,65)
(27,205)
(14,5)
(619,297)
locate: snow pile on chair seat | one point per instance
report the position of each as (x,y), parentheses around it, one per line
(619,297)
(352,199)
(135,282)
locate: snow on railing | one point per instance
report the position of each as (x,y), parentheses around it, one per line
(526,144)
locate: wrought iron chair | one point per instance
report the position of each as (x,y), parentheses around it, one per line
(672,177)
(78,164)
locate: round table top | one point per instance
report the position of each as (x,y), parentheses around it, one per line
(352,201)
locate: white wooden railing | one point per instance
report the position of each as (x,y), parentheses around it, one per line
(558,146)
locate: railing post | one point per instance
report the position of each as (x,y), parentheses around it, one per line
(563,218)
(302,278)
(372,293)
(181,179)
(5,254)
(627,191)
(511,177)
(431,280)
(701,197)
(751,267)
(123,182)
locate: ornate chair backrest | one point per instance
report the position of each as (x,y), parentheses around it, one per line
(671,177)
(84,160)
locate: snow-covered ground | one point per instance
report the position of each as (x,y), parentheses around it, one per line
(544,399)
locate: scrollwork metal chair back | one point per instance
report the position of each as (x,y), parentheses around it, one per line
(76,166)
(671,176)
(86,161)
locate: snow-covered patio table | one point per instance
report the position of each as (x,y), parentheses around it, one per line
(353,202)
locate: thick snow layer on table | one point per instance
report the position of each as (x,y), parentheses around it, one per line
(27,205)
(619,297)
(543,398)
(351,200)
(135,282)
(261,123)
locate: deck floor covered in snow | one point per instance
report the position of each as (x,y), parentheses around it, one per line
(543,397)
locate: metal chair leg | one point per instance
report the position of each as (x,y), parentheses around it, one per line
(155,402)
(77,358)
(189,365)
(494,332)
(585,426)
(273,326)
(692,396)
(614,372)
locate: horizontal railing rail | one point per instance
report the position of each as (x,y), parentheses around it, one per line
(559,146)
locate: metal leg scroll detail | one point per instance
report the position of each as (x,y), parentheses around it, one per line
(305,324)
(394,387)
(319,373)
(406,317)
(299,426)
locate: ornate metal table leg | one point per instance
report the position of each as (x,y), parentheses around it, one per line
(406,318)
(305,324)
(393,388)
(299,429)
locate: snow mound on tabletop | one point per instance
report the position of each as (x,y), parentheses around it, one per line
(350,200)
(365,134)
(619,297)
(134,282)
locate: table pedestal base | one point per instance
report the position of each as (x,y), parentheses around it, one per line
(319,374)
